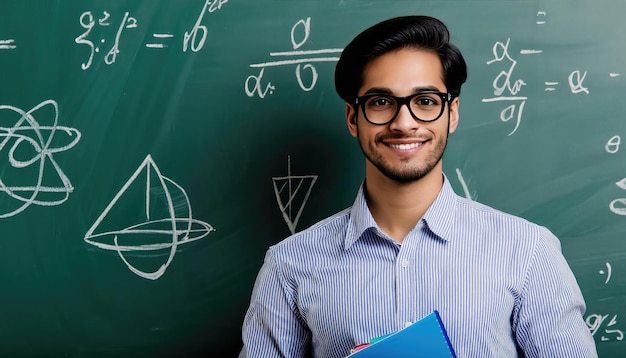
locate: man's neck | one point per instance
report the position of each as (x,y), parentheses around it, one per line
(398,207)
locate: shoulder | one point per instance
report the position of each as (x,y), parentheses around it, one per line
(528,252)
(495,219)
(510,235)
(473,223)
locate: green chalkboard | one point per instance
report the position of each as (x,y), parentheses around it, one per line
(151,151)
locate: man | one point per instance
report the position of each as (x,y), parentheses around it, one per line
(409,245)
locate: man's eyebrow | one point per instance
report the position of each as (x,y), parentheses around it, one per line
(425,88)
(378,90)
(385,90)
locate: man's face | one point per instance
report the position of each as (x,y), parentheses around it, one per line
(404,150)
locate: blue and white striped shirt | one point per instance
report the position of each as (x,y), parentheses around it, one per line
(500,284)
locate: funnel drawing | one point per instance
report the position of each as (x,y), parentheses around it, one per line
(147,219)
(292,191)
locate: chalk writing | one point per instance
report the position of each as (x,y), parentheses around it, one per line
(160,37)
(530,52)
(302,64)
(463,184)
(550,85)
(7,44)
(503,82)
(286,199)
(541,15)
(612,145)
(190,37)
(167,220)
(88,22)
(257,88)
(506,88)
(618,206)
(607,272)
(29,146)
(575,80)
(193,39)
(597,323)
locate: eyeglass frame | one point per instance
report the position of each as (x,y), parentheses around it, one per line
(446,97)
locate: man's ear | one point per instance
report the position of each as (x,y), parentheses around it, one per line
(351,119)
(454,114)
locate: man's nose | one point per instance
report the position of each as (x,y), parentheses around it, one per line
(404,121)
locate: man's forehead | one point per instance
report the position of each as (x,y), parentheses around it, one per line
(408,69)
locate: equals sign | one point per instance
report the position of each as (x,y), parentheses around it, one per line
(550,86)
(159,36)
(541,13)
(7,44)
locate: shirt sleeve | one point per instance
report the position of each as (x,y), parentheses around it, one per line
(273,326)
(549,321)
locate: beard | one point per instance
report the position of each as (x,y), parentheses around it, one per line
(404,173)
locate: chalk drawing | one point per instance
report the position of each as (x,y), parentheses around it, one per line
(29,147)
(166,223)
(287,189)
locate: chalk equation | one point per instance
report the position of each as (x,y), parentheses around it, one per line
(165,221)
(30,139)
(88,22)
(193,39)
(607,330)
(303,59)
(507,86)
(292,191)
(502,83)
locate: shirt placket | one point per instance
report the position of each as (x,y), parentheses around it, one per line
(406,280)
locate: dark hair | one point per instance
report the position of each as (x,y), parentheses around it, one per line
(420,32)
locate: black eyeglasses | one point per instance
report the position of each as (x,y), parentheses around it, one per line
(425,106)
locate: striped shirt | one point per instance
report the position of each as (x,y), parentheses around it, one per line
(499,282)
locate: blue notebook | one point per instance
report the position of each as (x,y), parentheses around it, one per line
(426,338)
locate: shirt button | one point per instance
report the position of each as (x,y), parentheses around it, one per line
(405,263)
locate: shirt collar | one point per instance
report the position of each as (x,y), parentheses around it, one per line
(439,217)
(360,219)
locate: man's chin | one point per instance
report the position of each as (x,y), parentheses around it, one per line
(403,177)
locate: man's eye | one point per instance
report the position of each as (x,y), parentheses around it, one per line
(426,101)
(380,102)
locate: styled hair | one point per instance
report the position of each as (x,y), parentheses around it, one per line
(419,32)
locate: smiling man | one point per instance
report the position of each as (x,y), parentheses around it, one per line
(409,245)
